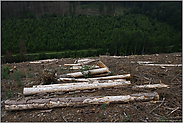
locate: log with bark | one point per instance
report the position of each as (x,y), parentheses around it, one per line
(80,74)
(164,65)
(72,87)
(98,78)
(73,101)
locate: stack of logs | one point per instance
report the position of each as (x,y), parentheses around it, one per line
(70,84)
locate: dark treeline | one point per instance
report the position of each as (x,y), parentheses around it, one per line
(144,28)
(169,12)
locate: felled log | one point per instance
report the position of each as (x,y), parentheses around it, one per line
(118,57)
(79,67)
(49,89)
(151,86)
(164,65)
(100,75)
(81,83)
(102,65)
(43,61)
(72,64)
(63,102)
(80,74)
(142,62)
(84,60)
(80,63)
(98,78)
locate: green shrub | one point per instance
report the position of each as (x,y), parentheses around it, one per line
(103,105)
(127,118)
(99,116)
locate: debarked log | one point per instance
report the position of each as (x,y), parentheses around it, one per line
(43,61)
(97,78)
(80,83)
(142,62)
(163,65)
(79,67)
(63,102)
(80,63)
(118,57)
(85,60)
(49,89)
(151,86)
(80,74)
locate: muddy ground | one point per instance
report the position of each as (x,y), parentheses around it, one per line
(169,110)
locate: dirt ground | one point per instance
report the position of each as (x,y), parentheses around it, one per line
(168,110)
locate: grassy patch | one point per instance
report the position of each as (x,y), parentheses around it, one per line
(18,75)
(9,93)
(30,75)
(19,83)
(4,73)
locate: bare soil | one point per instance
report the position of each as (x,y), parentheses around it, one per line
(136,111)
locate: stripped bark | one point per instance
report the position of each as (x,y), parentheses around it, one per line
(49,89)
(98,78)
(163,65)
(80,74)
(63,102)
(151,86)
